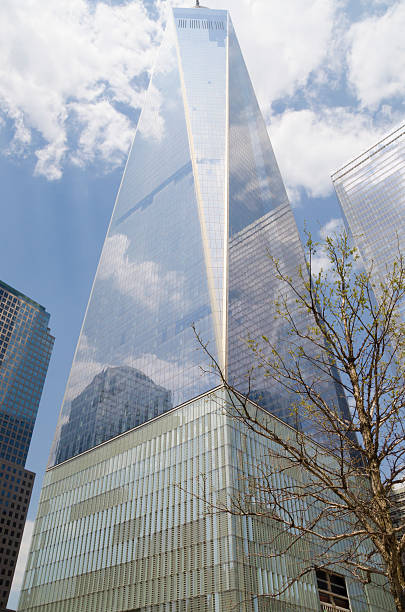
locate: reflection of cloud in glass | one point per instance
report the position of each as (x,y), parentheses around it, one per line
(381,168)
(85,367)
(255,189)
(167,57)
(152,123)
(163,372)
(146,282)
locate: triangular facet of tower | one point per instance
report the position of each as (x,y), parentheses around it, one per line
(255,183)
(152,282)
(261,224)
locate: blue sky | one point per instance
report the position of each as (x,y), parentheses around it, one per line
(329,78)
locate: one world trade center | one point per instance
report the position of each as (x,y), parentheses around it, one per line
(200,208)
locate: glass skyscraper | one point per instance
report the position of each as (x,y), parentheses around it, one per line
(25,350)
(200,208)
(371,192)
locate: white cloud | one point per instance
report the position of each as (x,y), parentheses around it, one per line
(106,133)
(21,563)
(377,56)
(60,62)
(331,228)
(282,42)
(22,135)
(68,67)
(310,146)
(320,261)
(50,158)
(69,74)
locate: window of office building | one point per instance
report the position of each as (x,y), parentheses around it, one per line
(332,590)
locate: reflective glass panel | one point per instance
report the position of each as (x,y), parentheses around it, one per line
(137,354)
(371,191)
(201,206)
(261,226)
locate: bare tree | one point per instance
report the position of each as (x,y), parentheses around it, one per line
(342,503)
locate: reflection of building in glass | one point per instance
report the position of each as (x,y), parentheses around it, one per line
(371,192)
(200,207)
(25,349)
(119,528)
(116,400)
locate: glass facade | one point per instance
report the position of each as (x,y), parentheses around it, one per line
(25,349)
(151,283)
(121,528)
(371,192)
(261,224)
(200,207)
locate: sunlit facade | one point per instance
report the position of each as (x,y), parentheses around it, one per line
(371,192)
(124,527)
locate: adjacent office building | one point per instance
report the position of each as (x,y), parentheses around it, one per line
(25,349)
(398,510)
(371,192)
(200,207)
(398,504)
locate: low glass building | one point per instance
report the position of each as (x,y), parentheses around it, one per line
(126,526)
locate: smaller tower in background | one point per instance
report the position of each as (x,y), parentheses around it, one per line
(398,504)
(371,192)
(398,509)
(25,349)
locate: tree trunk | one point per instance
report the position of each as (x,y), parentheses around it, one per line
(395,577)
(399,599)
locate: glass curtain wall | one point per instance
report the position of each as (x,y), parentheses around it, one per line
(201,207)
